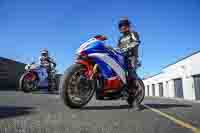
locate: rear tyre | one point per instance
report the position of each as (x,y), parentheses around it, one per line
(141,91)
(130,101)
(139,97)
(52,86)
(71,83)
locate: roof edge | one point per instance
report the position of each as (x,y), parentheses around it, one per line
(152,75)
(12,60)
(196,52)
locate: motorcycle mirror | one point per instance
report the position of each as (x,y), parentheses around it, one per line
(101,37)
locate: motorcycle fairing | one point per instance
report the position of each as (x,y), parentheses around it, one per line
(30,76)
(42,75)
(99,47)
(111,63)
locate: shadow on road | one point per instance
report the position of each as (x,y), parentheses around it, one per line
(45,92)
(13,111)
(156,106)
(105,107)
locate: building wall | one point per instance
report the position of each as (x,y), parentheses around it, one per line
(171,89)
(150,90)
(188,88)
(146,91)
(156,90)
(10,72)
(183,69)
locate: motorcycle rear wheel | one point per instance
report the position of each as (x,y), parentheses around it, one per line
(140,93)
(69,84)
(52,85)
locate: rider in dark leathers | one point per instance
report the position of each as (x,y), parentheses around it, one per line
(129,40)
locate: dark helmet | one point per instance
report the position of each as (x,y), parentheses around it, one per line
(124,22)
(44,52)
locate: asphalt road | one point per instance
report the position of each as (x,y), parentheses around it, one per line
(45,113)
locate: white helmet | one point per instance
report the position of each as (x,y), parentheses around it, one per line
(44,52)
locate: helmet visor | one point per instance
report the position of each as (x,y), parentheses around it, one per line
(44,54)
(124,28)
(124,23)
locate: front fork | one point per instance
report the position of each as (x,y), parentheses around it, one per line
(96,83)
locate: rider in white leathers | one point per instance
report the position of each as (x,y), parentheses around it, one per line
(47,62)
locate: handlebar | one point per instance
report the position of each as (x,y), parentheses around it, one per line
(123,50)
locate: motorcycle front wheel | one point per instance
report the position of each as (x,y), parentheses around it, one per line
(75,89)
(29,82)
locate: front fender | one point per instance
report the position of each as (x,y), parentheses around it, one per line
(87,64)
(104,69)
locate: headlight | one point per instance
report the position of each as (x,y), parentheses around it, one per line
(27,67)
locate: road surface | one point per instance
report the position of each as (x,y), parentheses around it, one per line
(45,113)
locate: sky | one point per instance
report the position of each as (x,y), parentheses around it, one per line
(168,29)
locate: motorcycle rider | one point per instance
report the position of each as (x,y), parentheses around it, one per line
(47,62)
(129,40)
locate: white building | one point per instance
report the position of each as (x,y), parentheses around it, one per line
(180,79)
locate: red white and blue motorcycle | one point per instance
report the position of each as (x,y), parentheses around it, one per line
(101,69)
(35,77)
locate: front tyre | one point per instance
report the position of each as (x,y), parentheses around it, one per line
(28,82)
(75,89)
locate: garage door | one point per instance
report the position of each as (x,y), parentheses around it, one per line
(147,90)
(161,89)
(178,85)
(197,86)
(153,90)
